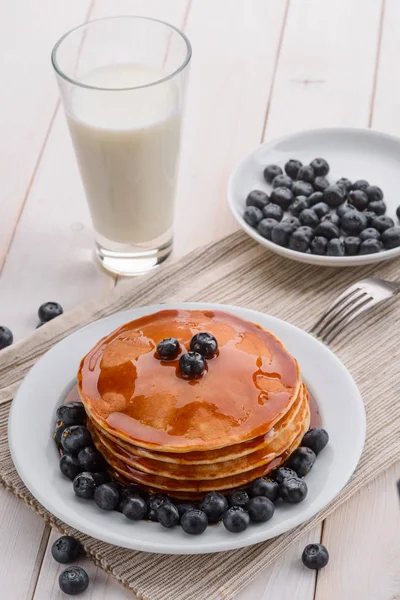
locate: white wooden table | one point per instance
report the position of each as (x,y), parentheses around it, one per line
(260,68)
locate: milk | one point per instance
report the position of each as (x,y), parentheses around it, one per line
(127,143)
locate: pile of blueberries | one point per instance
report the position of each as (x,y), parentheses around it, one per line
(47,312)
(340,219)
(192,364)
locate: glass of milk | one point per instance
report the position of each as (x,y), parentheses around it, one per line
(122,83)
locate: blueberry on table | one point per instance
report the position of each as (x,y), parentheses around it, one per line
(353,222)
(6,337)
(168,515)
(49,311)
(134,507)
(334,196)
(58,433)
(236,519)
(292,168)
(74,438)
(302,460)
(331,218)
(320,183)
(344,183)
(282,181)
(370,246)
(281,234)
(262,486)
(260,509)
(344,208)
(283,473)
(352,245)
(168,348)
(71,413)
(321,209)
(69,466)
(374,193)
(391,238)
(327,230)
(358,198)
(320,166)
(298,204)
(257,198)
(238,498)
(306,173)
(252,215)
(319,245)
(282,196)
(299,241)
(271,171)
(370,233)
(314,199)
(153,503)
(315,556)
(192,365)
(265,227)
(293,490)
(106,496)
(204,343)
(213,505)
(302,188)
(382,222)
(91,460)
(316,439)
(360,184)
(194,521)
(335,247)
(73,581)
(378,207)
(85,485)
(309,218)
(66,549)
(184,508)
(273,211)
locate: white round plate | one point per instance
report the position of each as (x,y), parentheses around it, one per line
(352,153)
(36,459)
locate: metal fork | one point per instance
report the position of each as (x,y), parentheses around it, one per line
(354,301)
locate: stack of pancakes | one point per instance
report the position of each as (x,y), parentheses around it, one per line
(186,437)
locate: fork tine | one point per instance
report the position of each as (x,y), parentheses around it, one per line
(348,297)
(346,318)
(346,294)
(344,306)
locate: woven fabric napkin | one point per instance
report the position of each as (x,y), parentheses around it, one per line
(234,271)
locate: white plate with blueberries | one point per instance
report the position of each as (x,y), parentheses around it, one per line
(37,458)
(326,196)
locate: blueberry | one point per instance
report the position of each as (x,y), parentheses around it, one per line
(257,198)
(359,199)
(370,216)
(298,204)
(391,238)
(168,515)
(265,487)
(315,198)
(91,460)
(377,206)
(236,519)
(353,222)
(374,193)
(335,247)
(315,556)
(321,209)
(398,212)
(265,227)
(168,348)
(74,438)
(334,196)
(320,166)
(293,490)
(71,413)
(302,460)
(282,181)
(307,231)
(252,215)
(192,365)
(184,508)
(281,234)
(194,521)
(344,183)
(382,222)
(370,246)
(66,549)
(58,433)
(341,210)
(49,311)
(282,196)
(106,496)
(309,218)
(294,222)
(214,505)
(134,507)
(273,211)
(331,218)
(85,485)
(69,466)
(6,337)
(327,230)
(260,509)
(302,188)
(299,241)
(238,498)
(292,168)
(319,245)
(306,173)
(283,473)
(73,581)
(320,183)
(271,171)
(352,245)
(204,343)
(316,439)
(370,233)
(360,184)
(153,503)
